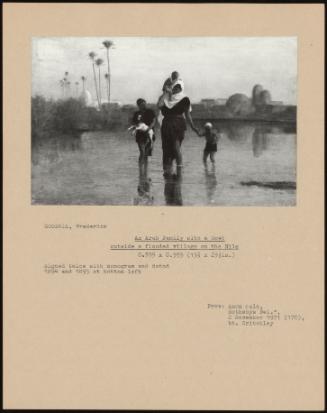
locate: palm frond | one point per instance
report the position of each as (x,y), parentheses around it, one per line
(108,44)
(99,61)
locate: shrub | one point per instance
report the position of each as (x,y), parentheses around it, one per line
(68,115)
(43,115)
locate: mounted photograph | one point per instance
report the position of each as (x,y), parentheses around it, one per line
(164,121)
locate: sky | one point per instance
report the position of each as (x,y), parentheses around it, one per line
(211,67)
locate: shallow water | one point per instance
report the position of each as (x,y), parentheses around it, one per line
(101,168)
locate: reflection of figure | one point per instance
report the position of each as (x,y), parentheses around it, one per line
(173,188)
(144,196)
(259,141)
(211,182)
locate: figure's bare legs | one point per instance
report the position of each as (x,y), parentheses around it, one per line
(178,154)
(205,157)
(143,159)
(212,157)
(142,153)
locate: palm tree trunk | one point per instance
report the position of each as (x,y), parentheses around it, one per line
(99,87)
(108,76)
(95,84)
(107,83)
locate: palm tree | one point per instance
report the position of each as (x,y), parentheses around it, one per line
(83,78)
(76,84)
(92,57)
(99,62)
(108,44)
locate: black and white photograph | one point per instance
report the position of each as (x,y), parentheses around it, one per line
(164,206)
(164,121)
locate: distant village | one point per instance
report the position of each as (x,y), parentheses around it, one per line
(258,106)
(202,104)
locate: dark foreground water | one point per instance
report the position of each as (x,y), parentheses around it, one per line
(255,165)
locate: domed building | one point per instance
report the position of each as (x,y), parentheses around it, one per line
(265,97)
(86,97)
(256,92)
(239,104)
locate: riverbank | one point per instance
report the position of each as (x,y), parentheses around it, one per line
(72,116)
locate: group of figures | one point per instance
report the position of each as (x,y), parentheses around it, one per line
(175,108)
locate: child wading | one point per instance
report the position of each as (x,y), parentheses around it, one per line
(211,143)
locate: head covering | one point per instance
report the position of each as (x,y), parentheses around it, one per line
(171,101)
(208,125)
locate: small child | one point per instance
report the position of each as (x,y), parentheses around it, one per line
(170,83)
(211,142)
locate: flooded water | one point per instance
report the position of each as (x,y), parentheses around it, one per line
(255,165)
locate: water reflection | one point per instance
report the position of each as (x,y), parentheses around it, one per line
(173,188)
(210,181)
(50,151)
(238,132)
(70,144)
(260,141)
(144,196)
(101,168)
